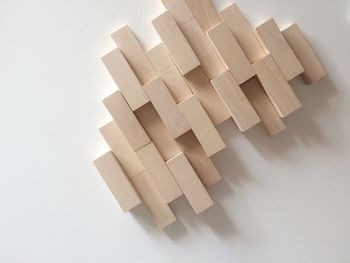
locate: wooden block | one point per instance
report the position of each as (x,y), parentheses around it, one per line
(204,12)
(241,110)
(280,50)
(263,106)
(231,52)
(189,183)
(243,32)
(166,107)
(171,35)
(202,88)
(159,172)
(209,59)
(202,126)
(126,120)
(117,181)
(314,70)
(159,209)
(179,10)
(125,78)
(276,86)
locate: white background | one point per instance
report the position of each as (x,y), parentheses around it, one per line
(284,199)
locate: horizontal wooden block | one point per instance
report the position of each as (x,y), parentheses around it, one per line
(230,92)
(171,35)
(314,70)
(202,126)
(278,47)
(204,12)
(125,78)
(276,86)
(179,10)
(117,181)
(189,183)
(126,120)
(231,52)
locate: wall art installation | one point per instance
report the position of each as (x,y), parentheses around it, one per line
(210,67)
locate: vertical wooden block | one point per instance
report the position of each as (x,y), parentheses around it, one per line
(314,70)
(204,12)
(171,35)
(231,52)
(179,10)
(202,126)
(126,120)
(125,78)
(235,100)
(281,52)
(276,86)
(117,181)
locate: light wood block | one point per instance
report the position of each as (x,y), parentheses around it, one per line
(202,126)
(117,181)
(159,172)
(126,120)
(125,78)
(241,110)
(204,12)
(171,35)
(243,32)
(231,52)
(276,86)
(159,209)
(314,70)
(278,47)
(166,107)
(179,10)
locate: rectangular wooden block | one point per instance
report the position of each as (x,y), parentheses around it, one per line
(171,35)
(189,183)
(117,181)
(202,126)
(231,52)
(230,92)
(125,78)
(314,70)
(204,12)
(179,10)
(166,107)
(278,47)
(276,86)
(126,120)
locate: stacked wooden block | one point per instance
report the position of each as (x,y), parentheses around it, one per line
(210,67)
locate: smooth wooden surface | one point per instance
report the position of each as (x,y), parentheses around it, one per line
(179,10)
(189,183)
(205,13)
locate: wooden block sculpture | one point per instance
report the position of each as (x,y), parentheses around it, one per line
(210,67)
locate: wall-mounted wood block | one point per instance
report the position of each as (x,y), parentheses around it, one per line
(231,52)
(276,86)
(232,95)
(166,107)
(159,172)
(314,70)
(179,10)
(117,181)
(126,120)
(202,126)
(243,32)
(281,52)
(125,78)
(173,38)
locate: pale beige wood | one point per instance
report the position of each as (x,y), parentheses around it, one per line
(263,106)
(159,172)
(209,59)
(126,120)
(279,49)
(117,181)
(314,70)
(276,86)
(231,52)
(205,13)
(179,10)
(202,126)
(243,32)
(166,107)
(125,78)
(189,183)
(230,92)
(158,207)
(171,35)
